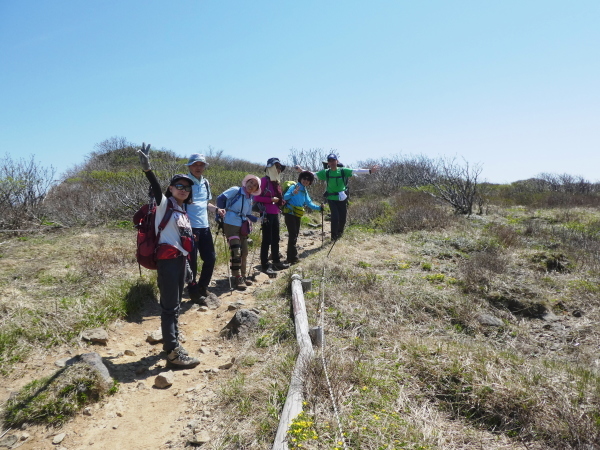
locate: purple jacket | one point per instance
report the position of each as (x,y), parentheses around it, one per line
(268,190)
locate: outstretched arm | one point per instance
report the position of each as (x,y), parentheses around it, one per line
(144,155)
(373,169)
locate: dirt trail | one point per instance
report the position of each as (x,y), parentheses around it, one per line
(141,416)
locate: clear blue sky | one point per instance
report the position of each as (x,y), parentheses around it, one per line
(513,85)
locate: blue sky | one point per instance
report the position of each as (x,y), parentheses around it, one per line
(511,85)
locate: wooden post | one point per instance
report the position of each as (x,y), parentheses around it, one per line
(293,402)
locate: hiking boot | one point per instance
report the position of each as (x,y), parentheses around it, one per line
(177,359)
(248,282)
(280,266)
(268,269)
(294,260)
(239,283)
(271,256)
(194,292)
(182,350)
(203,291)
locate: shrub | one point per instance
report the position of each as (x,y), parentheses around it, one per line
(53,400)
(23,188)
(479,269)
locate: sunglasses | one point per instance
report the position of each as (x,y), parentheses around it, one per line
(183,187)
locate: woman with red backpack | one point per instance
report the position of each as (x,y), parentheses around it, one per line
(174,245)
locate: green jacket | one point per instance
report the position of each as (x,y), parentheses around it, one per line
(336,180)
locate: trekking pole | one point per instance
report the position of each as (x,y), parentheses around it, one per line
(228,273)
(221,227)
(322,228)
(251,266)
(331,248)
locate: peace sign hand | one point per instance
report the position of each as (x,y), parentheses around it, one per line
(144,155)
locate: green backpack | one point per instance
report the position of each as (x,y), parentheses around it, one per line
(286,185)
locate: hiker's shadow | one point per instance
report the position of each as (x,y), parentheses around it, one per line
(131,371)
(311,251)
(141,301)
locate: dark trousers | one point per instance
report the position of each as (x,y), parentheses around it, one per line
(204,245)
(339,211)
(171,278)
(270,239)
(293,226)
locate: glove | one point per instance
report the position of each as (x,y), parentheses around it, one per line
(144,155)
(220,222)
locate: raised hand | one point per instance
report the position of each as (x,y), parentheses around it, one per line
(144,155)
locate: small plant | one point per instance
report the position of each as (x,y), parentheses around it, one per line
(301,430)
(435,277)
(426,266)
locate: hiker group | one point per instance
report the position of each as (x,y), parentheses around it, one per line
(180,229)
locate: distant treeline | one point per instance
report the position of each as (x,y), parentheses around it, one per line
(109,186)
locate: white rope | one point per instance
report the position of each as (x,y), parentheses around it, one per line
(322,325)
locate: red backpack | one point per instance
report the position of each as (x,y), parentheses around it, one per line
(147,238)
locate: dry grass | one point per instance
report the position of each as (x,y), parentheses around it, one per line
(410,365)
(53,286)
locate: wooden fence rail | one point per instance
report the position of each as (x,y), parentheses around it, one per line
(293,402)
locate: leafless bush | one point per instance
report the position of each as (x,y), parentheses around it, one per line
(443,178)
(571,184)
(23,188)
(311,159)
(216,158)
(418,211)
(553,191)
(403,212)
(96,196)
(367,212)
(449,181)
(507,236)
(478,271)
(420,218)
(394,174)
(109,186)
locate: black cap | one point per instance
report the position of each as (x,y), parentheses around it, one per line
(180,176)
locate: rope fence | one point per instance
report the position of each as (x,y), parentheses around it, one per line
(294,401)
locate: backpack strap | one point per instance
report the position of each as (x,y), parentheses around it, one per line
(208,196)
(166,217)
(235,198)
(163,223)
(343,177)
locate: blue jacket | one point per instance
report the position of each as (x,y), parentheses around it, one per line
(238,205)
(201,195)
(301,199)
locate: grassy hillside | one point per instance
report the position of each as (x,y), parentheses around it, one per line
(442,330)
(412,358)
